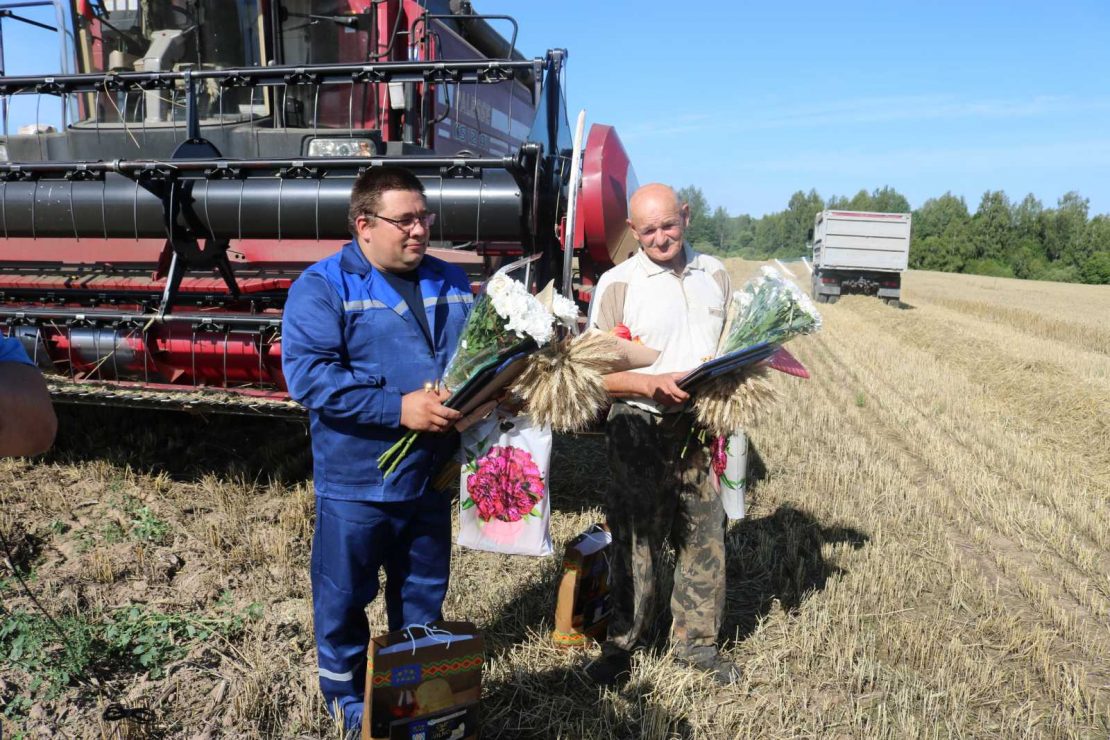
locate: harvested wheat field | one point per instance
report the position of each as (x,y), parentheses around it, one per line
(927,554)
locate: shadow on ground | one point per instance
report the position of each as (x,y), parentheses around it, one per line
(774,561)
(538,704)
(183,445)
(777,559)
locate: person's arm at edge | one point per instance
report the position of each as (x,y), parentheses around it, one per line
(27,420)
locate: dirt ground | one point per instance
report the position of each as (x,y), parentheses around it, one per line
(926,554)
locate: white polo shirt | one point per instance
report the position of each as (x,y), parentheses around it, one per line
(681,315)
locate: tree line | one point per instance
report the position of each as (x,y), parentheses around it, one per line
(1002,238)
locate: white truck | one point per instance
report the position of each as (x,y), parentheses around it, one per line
(860,252)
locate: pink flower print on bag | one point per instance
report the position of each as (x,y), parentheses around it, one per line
(506,485)
(504,490)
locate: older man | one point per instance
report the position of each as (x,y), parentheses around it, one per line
(27,421)
(674,299)
(366,333)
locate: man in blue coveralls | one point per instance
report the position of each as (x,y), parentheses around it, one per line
(27,421)
(366,334)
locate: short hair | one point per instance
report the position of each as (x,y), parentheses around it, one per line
(366,195)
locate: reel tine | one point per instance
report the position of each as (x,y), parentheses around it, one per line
(173,112)
(96,114)
(316,111)
(319,185)
(135,210)
(38,135)
(281,182)
(34,200)
(72,215)
(103,206)
(242,187)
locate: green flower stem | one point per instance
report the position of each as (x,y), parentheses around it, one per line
(395,454)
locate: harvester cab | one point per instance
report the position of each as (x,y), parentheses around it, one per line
(203,155)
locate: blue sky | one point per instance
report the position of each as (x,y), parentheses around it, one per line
(752,102)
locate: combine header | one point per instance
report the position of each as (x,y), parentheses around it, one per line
(205,154)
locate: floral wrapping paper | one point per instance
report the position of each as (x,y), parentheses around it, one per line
(504,501)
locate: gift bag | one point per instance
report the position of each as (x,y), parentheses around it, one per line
(424,683)
(582,606)
(503,487)
(734,479)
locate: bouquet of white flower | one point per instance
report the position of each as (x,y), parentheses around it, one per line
(769,309)
(505,316)
(732,388)
(506,323)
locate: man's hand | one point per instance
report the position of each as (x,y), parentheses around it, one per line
(663,389)
(423,411)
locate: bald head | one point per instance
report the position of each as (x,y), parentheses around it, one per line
(652,197)
(659,220)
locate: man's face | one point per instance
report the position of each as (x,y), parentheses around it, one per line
(390,246)
(660,226)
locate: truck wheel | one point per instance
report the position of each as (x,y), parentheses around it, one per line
(893,302)
(821,298)
(834,298)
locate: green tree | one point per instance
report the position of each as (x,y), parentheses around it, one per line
(861,201)
(939,234)
(888,200)
(992,227)
(700,229)
(797,221)
(1096,245)
(1028,218)
(1064,229)
(722,229)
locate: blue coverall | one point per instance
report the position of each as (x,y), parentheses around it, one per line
(350,350)
(11,350)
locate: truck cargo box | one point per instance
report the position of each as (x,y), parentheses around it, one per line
(856,240)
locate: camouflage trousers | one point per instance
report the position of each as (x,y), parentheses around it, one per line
(657,494)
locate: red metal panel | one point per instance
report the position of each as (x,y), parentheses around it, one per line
(607,182)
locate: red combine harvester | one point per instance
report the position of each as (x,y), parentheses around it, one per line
(206,154)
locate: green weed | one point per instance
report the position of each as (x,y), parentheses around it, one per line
(132,639)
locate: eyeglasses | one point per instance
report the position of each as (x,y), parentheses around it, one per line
(408,223)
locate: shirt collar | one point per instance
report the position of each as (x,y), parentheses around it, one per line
(652,268)
(352,259)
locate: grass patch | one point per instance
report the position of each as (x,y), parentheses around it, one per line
(134,639)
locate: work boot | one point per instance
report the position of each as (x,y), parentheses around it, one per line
(706,659)
(612,668)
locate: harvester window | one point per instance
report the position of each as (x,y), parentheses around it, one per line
(324,32)
(173,35)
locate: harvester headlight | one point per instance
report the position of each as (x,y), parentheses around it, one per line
(345,147)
